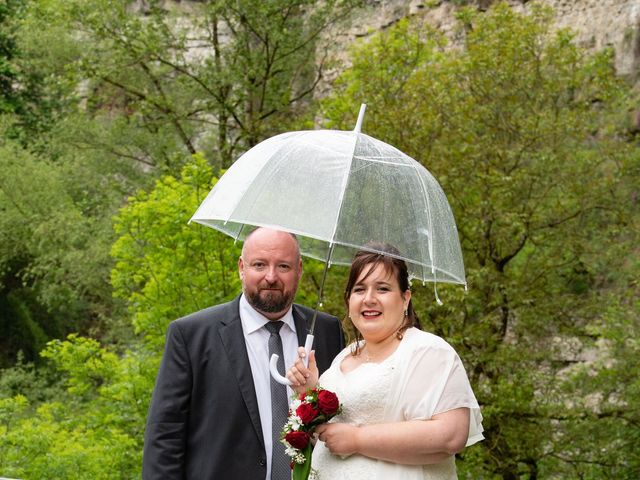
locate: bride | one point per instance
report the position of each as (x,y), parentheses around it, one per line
(408,407)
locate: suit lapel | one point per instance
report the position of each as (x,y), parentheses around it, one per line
(233,340)
(302,324)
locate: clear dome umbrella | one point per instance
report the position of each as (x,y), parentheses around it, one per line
(339,192)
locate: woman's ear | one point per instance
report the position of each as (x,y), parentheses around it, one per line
(407,298)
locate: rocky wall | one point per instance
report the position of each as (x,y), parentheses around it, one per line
(597,23)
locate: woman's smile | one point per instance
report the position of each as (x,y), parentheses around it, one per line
(376,304)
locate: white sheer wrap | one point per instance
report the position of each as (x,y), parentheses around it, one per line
(431,380)
(422,378)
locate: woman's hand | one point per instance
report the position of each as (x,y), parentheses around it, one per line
(303,378)
(340,438)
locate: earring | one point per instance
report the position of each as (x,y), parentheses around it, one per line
(406,312)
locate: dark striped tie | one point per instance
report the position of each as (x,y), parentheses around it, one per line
(280,462)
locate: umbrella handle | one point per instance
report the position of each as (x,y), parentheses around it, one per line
(273,363)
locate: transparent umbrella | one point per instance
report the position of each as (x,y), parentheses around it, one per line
(339,191)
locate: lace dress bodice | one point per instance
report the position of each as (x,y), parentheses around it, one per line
(363,393)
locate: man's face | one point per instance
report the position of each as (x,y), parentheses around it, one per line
(270,269)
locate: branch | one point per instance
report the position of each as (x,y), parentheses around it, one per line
(501,263)
(221,101)
(169,111)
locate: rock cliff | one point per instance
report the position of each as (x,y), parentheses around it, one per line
(597,23)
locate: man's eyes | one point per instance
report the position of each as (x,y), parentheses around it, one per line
(261,266)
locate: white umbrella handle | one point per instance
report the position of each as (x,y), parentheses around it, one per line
(273,363)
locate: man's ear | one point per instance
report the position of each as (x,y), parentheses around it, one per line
(241,268)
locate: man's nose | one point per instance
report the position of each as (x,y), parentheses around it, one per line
(271,275)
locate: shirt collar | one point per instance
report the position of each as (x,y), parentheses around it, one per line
(254,320)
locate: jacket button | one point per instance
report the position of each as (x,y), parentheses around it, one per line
(262,462)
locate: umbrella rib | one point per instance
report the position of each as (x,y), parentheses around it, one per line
(343,189)
(345,181)
(428,208)
(386,162)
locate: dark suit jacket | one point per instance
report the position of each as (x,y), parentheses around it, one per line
(203,420)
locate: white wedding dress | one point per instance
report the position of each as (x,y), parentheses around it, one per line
(383,392)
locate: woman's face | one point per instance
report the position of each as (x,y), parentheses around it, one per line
(376,304)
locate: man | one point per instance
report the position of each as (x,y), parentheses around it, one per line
(210,415)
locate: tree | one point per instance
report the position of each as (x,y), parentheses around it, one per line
(173,82)
(134,100)
(164,269)
(54,264)
(519,126)
(56,202)
(28,95)
(91,431)
(8,100)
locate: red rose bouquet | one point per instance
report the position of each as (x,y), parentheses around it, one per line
(307,411)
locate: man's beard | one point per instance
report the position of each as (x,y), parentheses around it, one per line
(269,303)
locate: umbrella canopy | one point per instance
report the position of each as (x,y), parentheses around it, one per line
(339,191)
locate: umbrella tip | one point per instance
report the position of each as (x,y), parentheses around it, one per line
(363,107)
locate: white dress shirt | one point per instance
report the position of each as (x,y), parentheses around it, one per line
(256,338)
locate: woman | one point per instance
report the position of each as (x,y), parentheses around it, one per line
(408,407)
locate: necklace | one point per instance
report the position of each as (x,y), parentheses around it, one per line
(367,358)
(378,356)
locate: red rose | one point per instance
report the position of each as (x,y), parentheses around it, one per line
(328,402)
(298,440)
(306,412)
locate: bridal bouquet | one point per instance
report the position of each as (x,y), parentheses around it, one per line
(307,411)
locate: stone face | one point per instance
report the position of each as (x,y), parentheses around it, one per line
(597,23)
(605,23)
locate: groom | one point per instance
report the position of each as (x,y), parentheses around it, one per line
(210,413)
